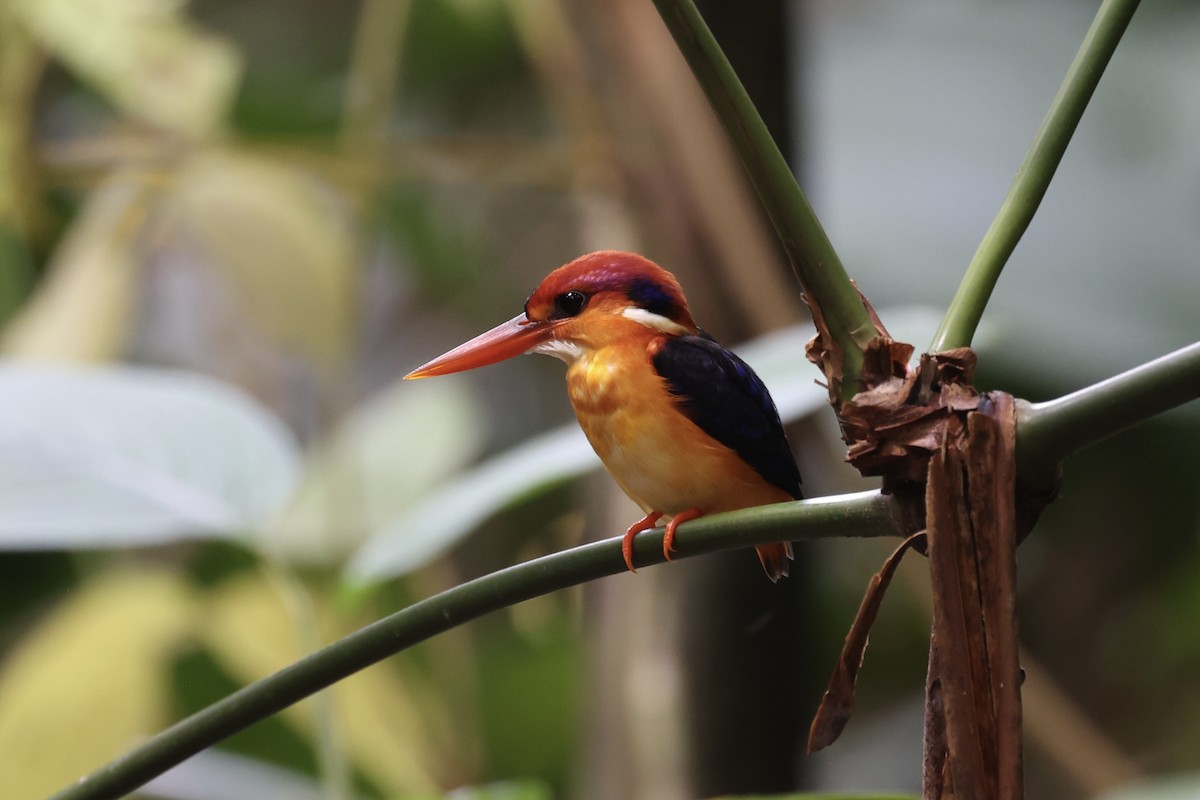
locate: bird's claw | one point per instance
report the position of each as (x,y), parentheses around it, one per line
(644,524)
(649,521)
(676,521)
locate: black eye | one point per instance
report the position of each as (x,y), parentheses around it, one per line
(569,304)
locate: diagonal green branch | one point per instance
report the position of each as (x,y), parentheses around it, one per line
(1034,176)
(1049,432)
(863,514)
(808,247)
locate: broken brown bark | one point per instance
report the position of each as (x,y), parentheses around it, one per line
(950,452)
(933,768)
(971,518)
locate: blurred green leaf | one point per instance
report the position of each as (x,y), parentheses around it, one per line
(83,309)
(88,683)
(285,241)
(445,516)
(384,457)
(128,456)
(16,271)
(251,629)
(463,67)
(428,227)
(546,666)
(144,55)
(21,67)
(198,679)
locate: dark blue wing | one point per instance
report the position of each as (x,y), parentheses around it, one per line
(727,400)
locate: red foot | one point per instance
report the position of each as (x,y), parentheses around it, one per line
(676,521)
(644,524)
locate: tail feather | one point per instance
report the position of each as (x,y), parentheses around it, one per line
(775,559)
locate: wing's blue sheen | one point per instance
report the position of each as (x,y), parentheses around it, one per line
(725,398)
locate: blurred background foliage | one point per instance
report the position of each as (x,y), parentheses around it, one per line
(268,212)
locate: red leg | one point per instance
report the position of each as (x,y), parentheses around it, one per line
(644,524)
(676,521)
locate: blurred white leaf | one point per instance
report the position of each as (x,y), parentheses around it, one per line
(144,55)
(380,460)
(432,526)
(219,775)
(129,456)
(505,790)
(1175,787)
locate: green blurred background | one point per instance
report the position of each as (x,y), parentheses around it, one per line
(306,199)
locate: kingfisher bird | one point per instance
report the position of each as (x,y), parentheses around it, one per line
(684,426)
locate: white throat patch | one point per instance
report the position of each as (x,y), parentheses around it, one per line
(562,350)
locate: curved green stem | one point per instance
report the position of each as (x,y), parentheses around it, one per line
(1032,180)
(863,514)
(1049,432)
(808,247)
(333,766)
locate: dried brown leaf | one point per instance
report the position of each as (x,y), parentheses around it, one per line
(838,701)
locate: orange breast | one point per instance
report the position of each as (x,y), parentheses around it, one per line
(658,456)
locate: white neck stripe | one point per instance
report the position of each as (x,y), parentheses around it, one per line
(656,321)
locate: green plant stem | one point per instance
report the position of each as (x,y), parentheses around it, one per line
(809,249)
(863,514)
(1049,432)
(333,767)
(1034,176)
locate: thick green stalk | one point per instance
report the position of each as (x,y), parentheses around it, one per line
(811,253)
(1032,180)
(864,514)
(1049,432)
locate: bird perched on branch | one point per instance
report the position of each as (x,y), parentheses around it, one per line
(684,426)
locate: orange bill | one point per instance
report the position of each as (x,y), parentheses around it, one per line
(519,335)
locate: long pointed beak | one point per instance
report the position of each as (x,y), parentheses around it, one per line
(519,335)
